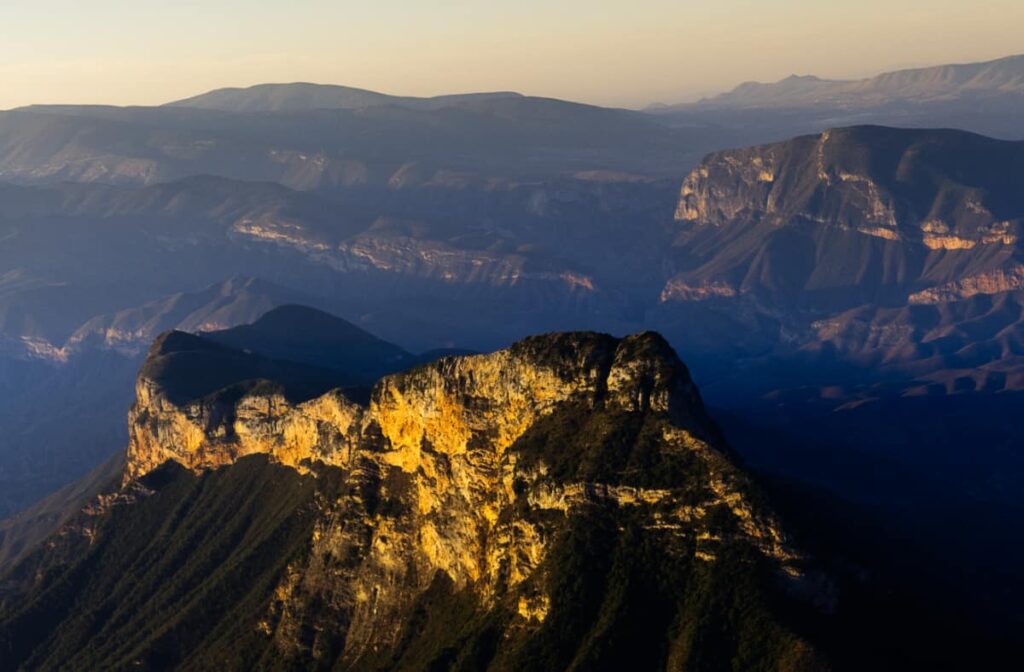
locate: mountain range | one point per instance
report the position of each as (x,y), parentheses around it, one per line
(481,139)
(783,251)
(476,512)
(289,281)
(981,97)
(302,96)
(1004,76)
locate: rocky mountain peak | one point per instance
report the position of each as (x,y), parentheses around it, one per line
(501,505)
(467,468)
(204,404)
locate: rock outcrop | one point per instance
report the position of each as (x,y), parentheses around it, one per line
(470,471)
(851,216)
(891,183)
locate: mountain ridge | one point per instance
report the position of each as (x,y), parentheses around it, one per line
(279,97)
(944,202)
(998,76)
(479,512)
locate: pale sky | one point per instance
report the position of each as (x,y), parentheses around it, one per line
(624,52)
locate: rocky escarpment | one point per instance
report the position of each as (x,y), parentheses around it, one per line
(466,487)
(889,183)
(858,247)
(851,215)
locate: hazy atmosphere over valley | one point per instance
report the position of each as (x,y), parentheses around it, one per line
(448,336)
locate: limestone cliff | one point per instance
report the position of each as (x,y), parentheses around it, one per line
(887,183)
(851,216)
(470,471)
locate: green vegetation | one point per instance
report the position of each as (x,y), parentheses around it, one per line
(177,581)
(626,600)
(187,577)
(560,350)
(580,443)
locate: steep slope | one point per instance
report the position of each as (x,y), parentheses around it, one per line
(23,532)
(564,504)
(853,215)
(980,338)
(888,258)
(302,96)
(62,403)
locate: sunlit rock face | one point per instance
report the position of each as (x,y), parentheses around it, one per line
(993,282)
(213,432)
(468,473)
(851,216)
(888,183)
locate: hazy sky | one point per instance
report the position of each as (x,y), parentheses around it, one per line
(622,52)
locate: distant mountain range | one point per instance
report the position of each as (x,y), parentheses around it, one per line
(821,275)
(1004,76)
(302,96)
(474,138)
(984,97)
(908,220)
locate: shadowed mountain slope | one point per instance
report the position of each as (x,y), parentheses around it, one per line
(303,350)
(623,531)
(299,334)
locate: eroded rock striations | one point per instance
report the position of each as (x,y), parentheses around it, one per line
(851,215)
(553,505)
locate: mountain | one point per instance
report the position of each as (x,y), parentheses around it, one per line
(874,247)
(76,405)
(302,96)
(480,138)
(793,90)
(497,258)
(299,334)
(986,98)
(63,403)
(1004,76)
(236,301)
(973,344)
(863,214)
(565,499)
(867,281)
(303,351)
